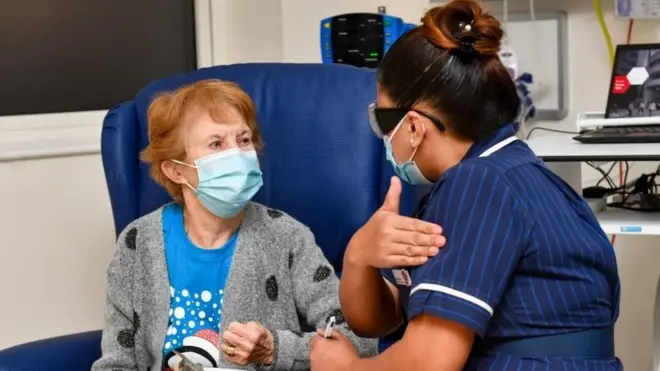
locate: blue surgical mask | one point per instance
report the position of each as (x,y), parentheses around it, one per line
(408,171)
(227,181)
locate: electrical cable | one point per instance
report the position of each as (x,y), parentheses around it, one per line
(623,179)
(645,187)
(606,31)
(605,174)
(631,23)
(609,178)
(529,133)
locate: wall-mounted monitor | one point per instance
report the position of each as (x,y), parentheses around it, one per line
(359,39)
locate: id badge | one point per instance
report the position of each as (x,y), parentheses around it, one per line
(402,277)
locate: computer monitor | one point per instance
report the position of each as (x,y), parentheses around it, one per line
(635,82)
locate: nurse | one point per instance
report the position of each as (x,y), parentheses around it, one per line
(527,279)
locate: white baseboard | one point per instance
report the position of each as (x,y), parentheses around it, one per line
(29,137)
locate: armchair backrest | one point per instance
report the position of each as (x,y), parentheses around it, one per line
(321,162)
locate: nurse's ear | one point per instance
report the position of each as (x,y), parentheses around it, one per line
(416,128)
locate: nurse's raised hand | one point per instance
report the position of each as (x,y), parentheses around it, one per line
(390,240)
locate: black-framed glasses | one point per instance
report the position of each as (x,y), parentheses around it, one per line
(384,120)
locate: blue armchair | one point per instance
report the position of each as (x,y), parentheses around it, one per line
(321,163)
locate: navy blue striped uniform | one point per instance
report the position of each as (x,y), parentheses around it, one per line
(525,256)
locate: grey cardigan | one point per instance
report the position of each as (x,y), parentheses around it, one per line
(279,278)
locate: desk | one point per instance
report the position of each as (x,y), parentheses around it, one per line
(564,155)
(558,147)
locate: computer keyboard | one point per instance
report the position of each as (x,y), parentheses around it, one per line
(621,134)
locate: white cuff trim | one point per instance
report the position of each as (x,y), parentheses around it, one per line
(455,293)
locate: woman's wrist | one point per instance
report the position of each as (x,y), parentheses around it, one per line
(269,346)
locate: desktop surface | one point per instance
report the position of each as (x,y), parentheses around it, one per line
(559,147)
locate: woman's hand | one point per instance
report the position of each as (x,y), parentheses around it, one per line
(390,240)
(247,343)
(332,354)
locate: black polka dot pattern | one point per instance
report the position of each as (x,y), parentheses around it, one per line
(290,260)
(130,238)
(339,317)
(322,273)
(272,290)
(126,337)
(137,322)
(274,213)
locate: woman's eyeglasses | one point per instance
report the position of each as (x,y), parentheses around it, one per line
(384,120)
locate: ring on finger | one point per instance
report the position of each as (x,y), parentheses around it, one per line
(230,350)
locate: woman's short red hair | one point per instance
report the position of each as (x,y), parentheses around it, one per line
(168,112)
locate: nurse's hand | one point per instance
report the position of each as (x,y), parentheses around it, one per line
(391,240)
(335,353)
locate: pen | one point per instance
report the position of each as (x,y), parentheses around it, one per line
(328,328)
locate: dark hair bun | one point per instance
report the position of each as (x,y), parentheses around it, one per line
(463,25)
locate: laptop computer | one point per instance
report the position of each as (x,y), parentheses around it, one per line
(634,93)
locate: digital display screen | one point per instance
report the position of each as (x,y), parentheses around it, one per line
(358,39)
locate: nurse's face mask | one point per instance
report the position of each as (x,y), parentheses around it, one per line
(227,180)
(390,120)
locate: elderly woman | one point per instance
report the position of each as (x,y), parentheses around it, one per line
(213,278)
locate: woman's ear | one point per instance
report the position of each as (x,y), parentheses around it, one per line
(173,172)
(416,129)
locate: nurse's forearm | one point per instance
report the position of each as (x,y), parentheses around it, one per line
(396,358)
(430,343)
(368,303)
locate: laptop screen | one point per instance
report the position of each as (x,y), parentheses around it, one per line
(635,83)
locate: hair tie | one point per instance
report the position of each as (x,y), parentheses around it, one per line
(467,44)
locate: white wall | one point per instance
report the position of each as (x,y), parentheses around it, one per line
(56,238)
(56,233)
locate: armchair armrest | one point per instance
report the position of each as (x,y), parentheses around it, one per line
(74,352)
